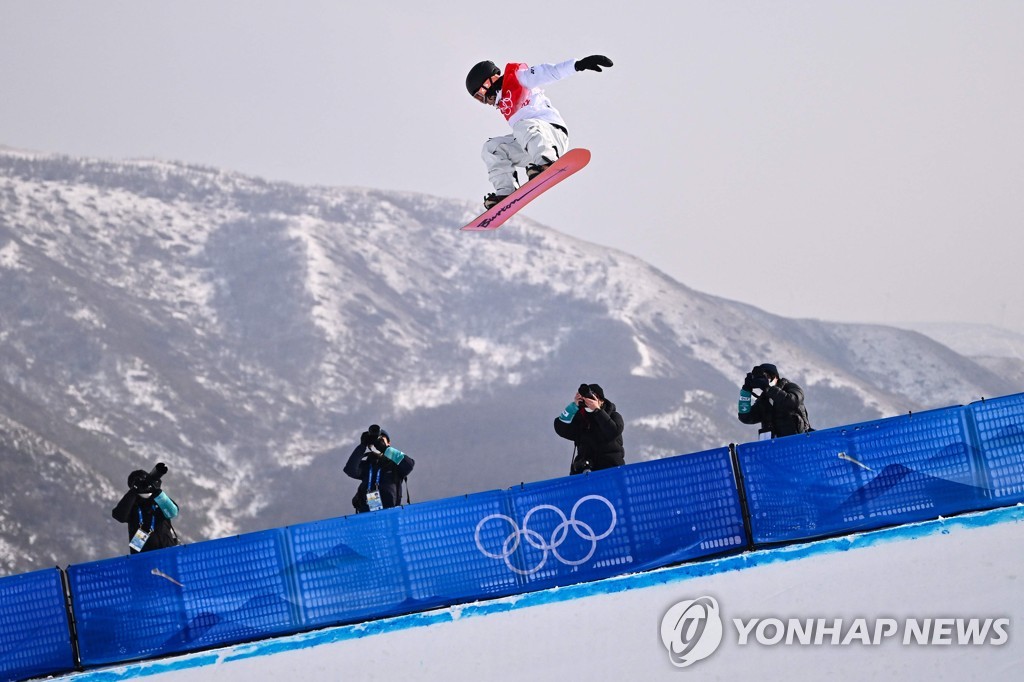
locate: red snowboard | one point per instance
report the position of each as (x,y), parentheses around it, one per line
(569,163)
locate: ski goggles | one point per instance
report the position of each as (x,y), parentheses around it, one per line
(485,91)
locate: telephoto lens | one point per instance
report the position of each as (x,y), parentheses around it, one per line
(158,472)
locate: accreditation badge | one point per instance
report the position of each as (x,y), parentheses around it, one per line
(139,541)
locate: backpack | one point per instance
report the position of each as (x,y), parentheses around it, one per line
(803,421)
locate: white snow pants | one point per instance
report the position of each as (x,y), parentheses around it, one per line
(532,142)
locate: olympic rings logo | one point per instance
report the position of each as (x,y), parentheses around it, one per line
(551,545)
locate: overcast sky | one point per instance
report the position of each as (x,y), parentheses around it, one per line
(849,161)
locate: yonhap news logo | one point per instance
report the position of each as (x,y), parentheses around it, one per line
(693,629)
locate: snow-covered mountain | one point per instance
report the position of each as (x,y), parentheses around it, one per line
(245,332)
(1000,350)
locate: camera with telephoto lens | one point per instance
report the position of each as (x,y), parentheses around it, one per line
(759,373)
(585,392)
(143,482)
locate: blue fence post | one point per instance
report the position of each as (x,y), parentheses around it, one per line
(737,472)
(982,476)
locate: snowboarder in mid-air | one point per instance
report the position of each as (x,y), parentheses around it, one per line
(539,135)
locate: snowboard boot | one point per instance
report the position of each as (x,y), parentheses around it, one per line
(492,200)
(533,171)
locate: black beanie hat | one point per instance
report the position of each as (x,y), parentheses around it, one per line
(136,478)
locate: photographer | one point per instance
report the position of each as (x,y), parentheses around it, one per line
(380,470)
(593,424)
(148,511)
(779,407)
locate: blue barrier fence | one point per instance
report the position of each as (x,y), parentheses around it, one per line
(885,472)
(531,537)
(401,560)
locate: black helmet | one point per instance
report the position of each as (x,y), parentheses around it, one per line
(479,75)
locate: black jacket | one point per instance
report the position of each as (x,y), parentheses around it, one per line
(779,409)
(132,507)
(374,472)
(598,438)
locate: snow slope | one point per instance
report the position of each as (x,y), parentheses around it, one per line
(959,569)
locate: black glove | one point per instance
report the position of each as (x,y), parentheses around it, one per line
(365,439)
(594,63)
(760,382)
(154,487)
(746,382)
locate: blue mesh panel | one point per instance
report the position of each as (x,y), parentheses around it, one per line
(870,475)
(1000,438)
(683,507)
(792,483)
(444,544)
(348,568)
(567,530)
(236,589)
(34,636)
(123,609)
(920,468)
(183,598)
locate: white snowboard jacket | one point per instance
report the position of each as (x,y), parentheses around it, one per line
(521,96)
